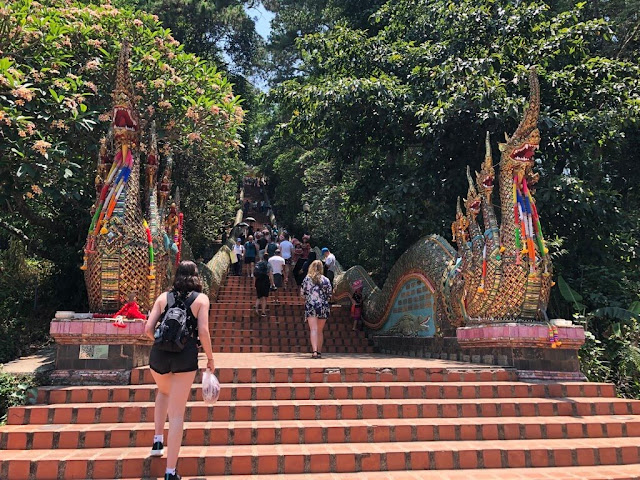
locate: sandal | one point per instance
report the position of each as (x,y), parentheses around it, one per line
(319,355)
(315,355)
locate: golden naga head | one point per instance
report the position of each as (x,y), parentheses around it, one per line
(485,179)
(518,151)
(125,117)
(473,202)
(459,228)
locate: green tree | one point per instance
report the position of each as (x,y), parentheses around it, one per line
(400,109)
(221,31)
(57,67)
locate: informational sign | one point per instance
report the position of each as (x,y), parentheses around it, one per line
(94,352)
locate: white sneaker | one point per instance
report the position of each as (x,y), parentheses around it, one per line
(157,450)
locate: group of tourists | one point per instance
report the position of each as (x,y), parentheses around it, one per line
(261,206)
(255,181)
(277,262)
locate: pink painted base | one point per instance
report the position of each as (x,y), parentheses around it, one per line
(98,331)
(519,335)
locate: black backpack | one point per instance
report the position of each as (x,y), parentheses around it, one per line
(261,269)
(173,331)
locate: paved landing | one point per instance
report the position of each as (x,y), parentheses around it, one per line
(334,360)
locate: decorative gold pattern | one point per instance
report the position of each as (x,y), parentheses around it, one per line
(118,257)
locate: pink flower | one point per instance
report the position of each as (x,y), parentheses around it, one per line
(91,86)
(41,147)
(192,114)
(92,64)
(215,109)
(23,93)
(194,137)
(137,22)
(164,104)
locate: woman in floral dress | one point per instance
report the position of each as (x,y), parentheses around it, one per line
(316,290)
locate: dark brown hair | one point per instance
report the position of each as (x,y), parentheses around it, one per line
(187,278)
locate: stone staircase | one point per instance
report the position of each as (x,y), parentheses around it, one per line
(236,328)
(350,415)
(413,418)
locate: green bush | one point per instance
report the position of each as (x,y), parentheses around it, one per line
(16,390)
(24,316)
(614,359)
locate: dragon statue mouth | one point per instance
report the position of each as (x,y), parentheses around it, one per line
(524,154)
(487,183)
(475,206)
(122,119)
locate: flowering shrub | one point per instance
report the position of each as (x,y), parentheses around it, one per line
(57,71)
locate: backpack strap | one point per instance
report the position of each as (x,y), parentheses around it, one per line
(190,299)
(193,320)
(171,299)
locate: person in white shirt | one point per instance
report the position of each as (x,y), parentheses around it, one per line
(238,249)
(286,247)
(329,264)
(277,266)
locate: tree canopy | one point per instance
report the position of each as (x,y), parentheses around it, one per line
(382,122)
(57,69)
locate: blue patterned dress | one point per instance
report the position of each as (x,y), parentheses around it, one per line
(316,297)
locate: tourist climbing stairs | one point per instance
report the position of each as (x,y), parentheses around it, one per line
(237,327)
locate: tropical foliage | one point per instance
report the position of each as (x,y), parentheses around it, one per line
(394,113)
(57,68)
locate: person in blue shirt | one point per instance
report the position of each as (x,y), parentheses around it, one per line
(250,253)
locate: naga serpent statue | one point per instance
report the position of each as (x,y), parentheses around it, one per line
(127,253)
(501,271)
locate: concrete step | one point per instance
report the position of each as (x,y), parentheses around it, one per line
(324,391)
(288,349)
(263,329)
(270,432)
(326,372)
(288,341)
(604,472)
(72,413)
(109,463)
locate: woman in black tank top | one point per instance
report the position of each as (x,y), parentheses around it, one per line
(174,372)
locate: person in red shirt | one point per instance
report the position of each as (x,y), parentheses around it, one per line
(301,254)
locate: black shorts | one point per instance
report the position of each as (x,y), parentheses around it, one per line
(248,260)
(262,286)
(287,261)
(277,279)
(163,362)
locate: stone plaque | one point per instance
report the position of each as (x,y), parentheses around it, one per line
(94,352)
